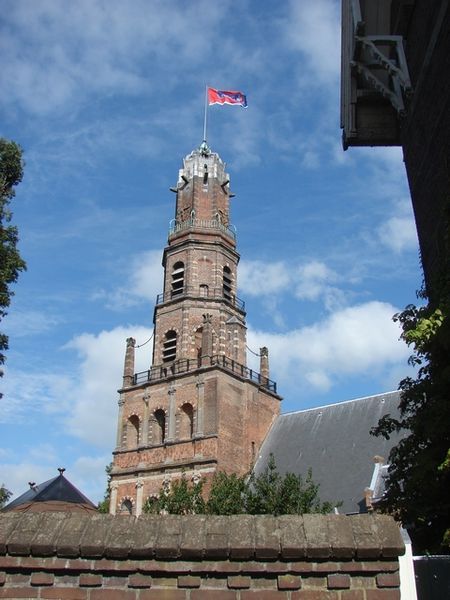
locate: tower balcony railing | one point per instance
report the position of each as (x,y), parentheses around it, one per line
(195,224)
(200,293)
(186,365)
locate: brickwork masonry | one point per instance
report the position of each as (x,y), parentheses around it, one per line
(196,557)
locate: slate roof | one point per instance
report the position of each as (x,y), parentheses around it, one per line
(334,441)
(55,494)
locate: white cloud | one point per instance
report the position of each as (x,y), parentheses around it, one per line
(86,401)
(258,278)
(398,232)
(312,278)
(44,452)
(310,281)
(351,342)
(93,408)
(21,323)
(313,29)
(318,380)
(87,473)
(147,275)
(55,54)
(144,282)
(28,393)
(16,476)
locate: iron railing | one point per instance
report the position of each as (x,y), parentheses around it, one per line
(199,294)
(186,365)
(177,227)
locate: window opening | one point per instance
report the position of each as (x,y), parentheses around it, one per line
(160,426)
(227,283)
(187,421)
(177,278)
(204,291)
(170,346)
(133,431)
(126,507)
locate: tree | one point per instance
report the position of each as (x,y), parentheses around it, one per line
(11,263)
(103,506)
(267,493)
(227,494)
(418,479)
(178,499)
(275,494)
(5,495)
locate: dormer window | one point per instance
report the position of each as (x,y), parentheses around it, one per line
(177,279)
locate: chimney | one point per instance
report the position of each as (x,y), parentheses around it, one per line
(368,497)
(128,368)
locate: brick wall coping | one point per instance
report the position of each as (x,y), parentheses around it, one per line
(197,537)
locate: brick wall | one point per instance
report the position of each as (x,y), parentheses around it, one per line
(425,131)
(231,418)
(195,557)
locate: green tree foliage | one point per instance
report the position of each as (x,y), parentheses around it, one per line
(267,493)
(103,506)
(418,481)
(227,494)
(289,494)
(11,264)
(181,498)
(5,495)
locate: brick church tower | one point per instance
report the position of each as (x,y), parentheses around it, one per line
(198,408)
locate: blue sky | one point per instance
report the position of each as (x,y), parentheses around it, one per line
(106,98)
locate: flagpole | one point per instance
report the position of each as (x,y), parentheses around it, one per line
(206,113)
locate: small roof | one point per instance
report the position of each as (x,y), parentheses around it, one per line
(334,441)
(55,494)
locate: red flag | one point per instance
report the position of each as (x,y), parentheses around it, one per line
(226,97)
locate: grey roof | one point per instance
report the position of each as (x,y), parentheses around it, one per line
(335,442)
(58,489)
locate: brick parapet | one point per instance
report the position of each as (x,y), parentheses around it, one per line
(96,556)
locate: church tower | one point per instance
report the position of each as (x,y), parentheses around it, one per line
(198,408)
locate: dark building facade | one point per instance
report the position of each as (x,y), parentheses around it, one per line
(396,91)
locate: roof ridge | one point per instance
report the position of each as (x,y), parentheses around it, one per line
(293,412)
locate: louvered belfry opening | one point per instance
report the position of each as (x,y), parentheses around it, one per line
(177,279)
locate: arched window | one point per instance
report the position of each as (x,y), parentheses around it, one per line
(186,421)
(159,426)
(177,278)
(227,283)
(133,431)
(126,507)
(204,290)
(170,346)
